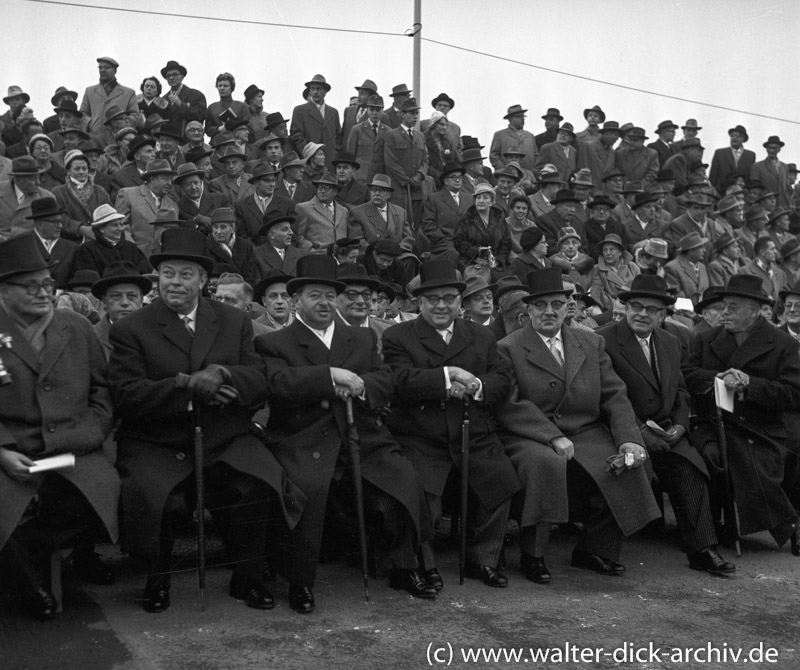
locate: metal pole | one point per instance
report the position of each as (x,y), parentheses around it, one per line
(417,51)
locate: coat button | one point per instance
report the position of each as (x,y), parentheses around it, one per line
(325,431)
(180,456)
(552,384)
(315,454)
(558,415)
(47,386)
(324,404)
(51,428)
(749,441)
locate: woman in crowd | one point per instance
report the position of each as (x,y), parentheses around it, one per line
(533,255)
(613,273)
(149,101)
(79,196)
(518,221)
(226,107)
(52,174)
(109,244)
(481,236)
(440,152)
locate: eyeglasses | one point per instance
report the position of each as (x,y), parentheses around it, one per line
(637,307)
(434,300)
(543,305)
(33,288)
(352,296)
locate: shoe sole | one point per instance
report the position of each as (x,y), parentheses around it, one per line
(602,574)
(720,573)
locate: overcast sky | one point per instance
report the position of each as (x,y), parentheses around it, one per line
(732,53)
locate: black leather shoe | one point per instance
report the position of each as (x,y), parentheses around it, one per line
(433,578)
(487,574)
(535,569)
(301,599)
(411,581)
(710,561)
(42,605)
(602,566)
(90,567)
(269,573)
(795,542)
(156,594)
(252,592)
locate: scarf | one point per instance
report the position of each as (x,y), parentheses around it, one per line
(34,333)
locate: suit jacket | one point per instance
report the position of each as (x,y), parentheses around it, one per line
(242,257)
(308,126)
(539,206)
(65,390)
(662,149)
(553,153)
(13,219)
(193,108)
(680,274)
(427,423)
(404,158)
(96,101)
(229,187)
(303,191)
(632,231)
(268,259)
(150,347)
(721,269)
(249,218)
(723,164)
(595,233)
(508,138)
(350,121)
(353,194)
(640,165)
(440,215)
(367,148)
(63,252)
(772,283)
(125,177)
(775,178)
(209,201)
(315,228)
(597,158)
(366,223)
(552,223)
(139,206)
(585,401)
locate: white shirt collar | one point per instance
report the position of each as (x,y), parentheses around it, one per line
(325,335)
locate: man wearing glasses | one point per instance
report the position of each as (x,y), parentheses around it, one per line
(438,360)
(647,358)
(566,423)
(353,303)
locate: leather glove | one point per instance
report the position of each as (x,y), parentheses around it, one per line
(205,383)
(653,443)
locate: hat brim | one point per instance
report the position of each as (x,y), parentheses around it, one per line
(491,287)
(458,285)
(700,306)
(664,297)
(149,141)
(374,284)
(44,215)
(779,144)
(372,184)
(179,68)
(320,182)
(516,113)
(762,298)
(544,116)
(178,178)
(21,271)
(297,283)
(155,173)
(596,111)
(261,286)
(54,100)
(269,224)
(355,164)
(324,84)
(443,98)
(203,261)
(100,287)
(550,291)
(295,163)
(22,95)
(255,178)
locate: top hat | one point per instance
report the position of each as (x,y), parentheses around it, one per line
(272,277)
(691,241)
(546,281)
(514,110)
(183,244)
(443,97)
(20,255)
(691,124)
(438,274)
(400,89)
(187,170)
(666,125)
(14,91)
(745,286)
(648,286)
(565,195)
(475,284)
(356,273)
(773,139)
(347,158)
(61,93)
(252,91)
(263,169)
(273,218)
(381,181)
(710,296)
(318,79)
(137,143)
(315,269)
(274,119)
(597,109)
(741,130)
(121,272)
(552,111)
(368,85)
(43,208)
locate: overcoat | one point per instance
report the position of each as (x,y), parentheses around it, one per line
(96,101)
(307,125)
(366,223)
(471,233)
(403,158)
(99,253)
(440,215)
(724,164)
(250,219)
(140,208)
(269,259)
(315,228)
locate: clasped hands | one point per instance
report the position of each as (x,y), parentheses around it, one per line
(208,385)
(734,379)
(462,383)
(346,384)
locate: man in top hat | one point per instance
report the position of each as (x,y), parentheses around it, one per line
(197,202)
(184,104)
(291,184)
(760,367)
(183,361)
(763,265)
(54,400)
(320,221)
(634,160)
(272,294)
(687,272)
(355,114)
(226,246)
(17,193)
(57,251)
(313,365)
(437,360)
(565,417)
(140,204)
(252,210)
(365,141)
(352,193)
(442,210)
(316,121)
(772,172)
(598,156)
(663,145)
(234,182)
(98,98)
(731,160)
(552,119)
(399,95)
(594,117)
(724,260)
(141,151)
(379,218)
(647,359)
(561,153)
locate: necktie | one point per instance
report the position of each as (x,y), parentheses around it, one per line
(455,197)
(291,190)
(187,321)
(553,344)
(383,214)
(446,335)
(411,134)
(375,129)
(645,349)
(330,209)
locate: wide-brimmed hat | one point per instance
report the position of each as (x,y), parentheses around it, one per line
(368,85)
(14,91)
(648,286)
(113,112)
(551,111)
(156,167)
(567,233)
(310,149)
(183,244)
(792,246)
(347,158)
(356,274)
(691,124)
(777,214)
(235,122)
(272,277)
(43,208)
(666,125)
(274,119)
(261,170)
(450,168)
(187,170)
(470,155)
(375,101)
(291,159)
(104,214)
(69,107)
(773,139)
(121,272)
(610,126)
(739,129)
(232,151)
(611,238)
(381,181)
(727,203)
(61,92)
(25,166)
(400,89)
(137,143)
(170,130)
(438,274)
(152,122)
(318,79)
(475,284)
(506,285)
(691,241)
(642,199)
(409,105)
(545,281)
(710,296)
(597,109)
(746,286)
(173,65)
(613,173)
(789,290)
(599,200)
(327,179)
(315,269)
(471,142)
(77,130)
(692,142)
(273,218)
(514,110)
(723,241)
(567,127)
(506,172)
(166,217)
(222,138)
(83,279)
(443,97)
(636,131)
(271,137)
(565,195)
(755,213)
(656,247)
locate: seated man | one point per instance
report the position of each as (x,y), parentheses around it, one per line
(53,400)
(566,417)
(307,432)
(438,359)
(761,365)
(181,360)
(272,294)
(647,359)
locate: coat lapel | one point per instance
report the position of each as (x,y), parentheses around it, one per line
(631,351)
(57,339)
(174,329)
(724,346)
(205,332)
(760,342)
(341,345)
(539,355)
(315,350)
(459,341)
(574,355)
(429,338)
(19,345)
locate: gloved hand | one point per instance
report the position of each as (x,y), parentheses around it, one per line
(205,383)
(654,443)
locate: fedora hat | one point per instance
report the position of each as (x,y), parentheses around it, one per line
(690,143)
(61,93)
(173,65)
(104,214)
(327,179)
(470,155)
(506,172)
(273,218)
(272,277)
(727,203)
(156,167)
(169,130)
(291,159)
(642,199)
(691,124)
(567,233)
(551,111)
(451,168)
(381,181)
(77,130)
(636,131)
(347,158)
(597,109)
(792,246)
(691,241)
(187,170)
(375,101)
(741,130)
(765,195)
(471,142)
(310,149)
(475,284)
(438,274)
(789,290)
(565,195)
(506,285)
(120,272)
(15,91)
(83,279)
(551,178)
(234,123)
(632,187)
(318,79)
(773,139)
(271,137)
(723,241)
(68,107)
(183,244)
(152,122)
(137,143)
(263,169)
(274,119)
(698,199)
(25,166)
(611,238)
(666,125)
(656,247)
(232,151)
(756,213)
(356,274)
(222,139)
(710,296)
(514,110)
(443,97)
(746,286)
(610,126)
(791,167)
(409,105)
(43,208)
(777,214)
(195,154)
(567,127)
(315,269)
(400,89)
(368,85)
(113,112)
(601,200)
(613,173)
(514,151)
(648,286)
(545,281)
(583,177)
(166,217)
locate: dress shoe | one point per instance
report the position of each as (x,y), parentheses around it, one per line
(156,594)
(433,578)
(411,581)
(601,565)
(301,599)
(251,591)
(487,574)
(269,573)
(534,569)
(42,605)
(795,541)
(710,561)
(90,567)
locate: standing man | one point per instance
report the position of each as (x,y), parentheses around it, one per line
(437,360)
(514,137)
(690,131)
(594,117)
(552,118)
(406,158)
(365,141)
(312,366)
(442,210)
(561,154)
(316,121)
(663,145)
(635,161)
(399,94)
(773,173)
(379,218)
(320,221)
(184,359)
(598,156)
(252,209)
(98,98)
(355,114)
(732,160)
(184,104)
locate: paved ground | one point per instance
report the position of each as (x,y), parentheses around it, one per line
(658,601)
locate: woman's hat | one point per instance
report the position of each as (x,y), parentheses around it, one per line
(105,214)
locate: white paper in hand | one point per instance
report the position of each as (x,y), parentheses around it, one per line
(60,462)
(723,395)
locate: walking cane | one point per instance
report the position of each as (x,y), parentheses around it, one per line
(462,531)
(199,465)
(730,510)
(353,443)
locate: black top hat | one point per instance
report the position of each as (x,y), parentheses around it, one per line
(252,91)
(648,286)
(21,254)
(443,97)
(83,278)
(545,281)
(183,244)
(173,65)
(438,274)
(137,143)
(272,277)
(347,158)
(710,296)
(315,269)
(42,208)
(121,272)
(746,286)
(356,273)
(273,219)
